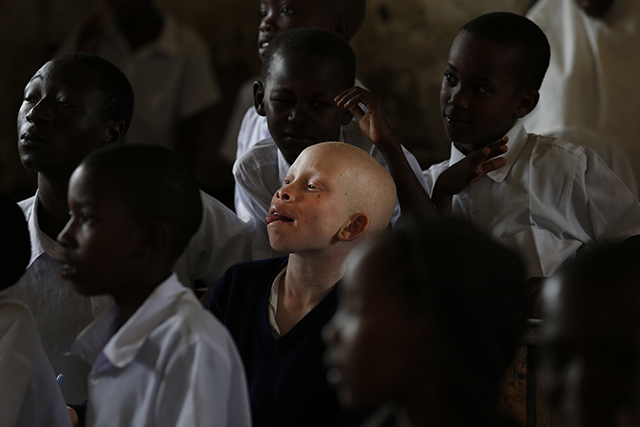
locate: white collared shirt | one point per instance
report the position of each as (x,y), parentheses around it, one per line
(171,364)
(552,199)
(59,311)
(29,394)
(172,78)
(260,172)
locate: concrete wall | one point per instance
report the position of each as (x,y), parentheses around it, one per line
(401,49)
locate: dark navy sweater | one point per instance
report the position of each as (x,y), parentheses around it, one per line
(286,376)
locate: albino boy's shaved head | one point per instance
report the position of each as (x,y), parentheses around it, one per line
(372,190)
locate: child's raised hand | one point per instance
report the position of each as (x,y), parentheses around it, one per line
(474,166)
(374,122)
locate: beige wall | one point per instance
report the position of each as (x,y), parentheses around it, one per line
(401,52)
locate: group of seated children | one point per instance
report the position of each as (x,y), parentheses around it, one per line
(428,316)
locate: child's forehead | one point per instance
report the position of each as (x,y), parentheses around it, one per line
(482,57)
(304,67)
(313,10)
(67,73)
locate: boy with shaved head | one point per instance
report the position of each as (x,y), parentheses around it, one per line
(333,195)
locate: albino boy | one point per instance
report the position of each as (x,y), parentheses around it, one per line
(332,196)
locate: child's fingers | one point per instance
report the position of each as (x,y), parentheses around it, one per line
(493,164)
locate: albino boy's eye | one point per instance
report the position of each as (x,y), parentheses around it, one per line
(311,186)
(287,181)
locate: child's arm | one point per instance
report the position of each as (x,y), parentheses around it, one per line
(375,125)
(467,171)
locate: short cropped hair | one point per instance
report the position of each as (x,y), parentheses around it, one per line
(522,34)
(473,292)
(154,183)
(15,244)
(311,42)
(117,92)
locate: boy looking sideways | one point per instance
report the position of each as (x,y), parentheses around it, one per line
(340,17)
(72,106)
(157,355)
(303,71)
(406,336)
(333,195)
(547,199)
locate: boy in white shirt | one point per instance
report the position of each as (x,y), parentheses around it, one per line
(159,359)
(547,199)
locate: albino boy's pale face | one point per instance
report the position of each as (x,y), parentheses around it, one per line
(313,204)
(278,16)
(371,339)
(100,240)
(592,350)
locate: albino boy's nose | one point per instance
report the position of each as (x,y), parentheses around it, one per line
(284,193)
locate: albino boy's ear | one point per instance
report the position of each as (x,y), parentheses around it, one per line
(528,101)
(258,97)
(357,226)
(346,117)
(115,131)
(156,239)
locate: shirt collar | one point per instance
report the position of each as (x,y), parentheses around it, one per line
(167,41)
(517,140)
(40,242)
(120,346)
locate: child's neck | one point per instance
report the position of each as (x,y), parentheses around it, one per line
(306,282)
(53,210)
(129,302)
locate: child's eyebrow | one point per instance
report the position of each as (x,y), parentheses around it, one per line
(450,65)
